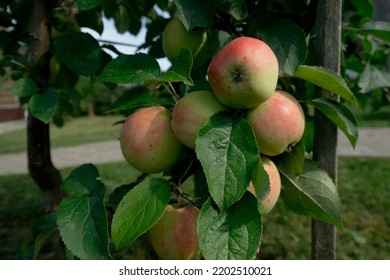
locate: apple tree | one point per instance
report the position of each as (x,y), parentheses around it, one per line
(193,148)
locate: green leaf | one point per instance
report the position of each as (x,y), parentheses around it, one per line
(83,226)
(326,79)
(380,29)
(24,87)
(232,234)
(313,193)
(82,220)
(227,150)
(132,99)
(287,40)
(80,52)
(308,136)
(216,41)
(340,115)
(82,180)
(131,69)
(181,69)
(364,7)
(91,19)
(88,4)
(195,13)
(236,8)
(122,18)
(139,210)
(43,105)
(43,228)
(373,78)
(292,161)
(261,184)
(117,195)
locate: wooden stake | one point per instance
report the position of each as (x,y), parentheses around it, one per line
(325,132)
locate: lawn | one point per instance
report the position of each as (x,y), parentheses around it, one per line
(74,132)
(377,118)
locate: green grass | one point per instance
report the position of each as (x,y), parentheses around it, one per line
(363,185)
(378,118)
(74,132)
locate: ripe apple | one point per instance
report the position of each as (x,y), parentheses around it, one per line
(244,73)
(174,236)
(278,123)
(191,113)
(148,142)
(268,203)
(176,36)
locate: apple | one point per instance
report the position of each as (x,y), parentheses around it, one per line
(174,236)
(268,203)
(147,140)
(278,123)
(244,73)
(176,36)
(191,113)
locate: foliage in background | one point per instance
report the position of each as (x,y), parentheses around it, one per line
(366,49)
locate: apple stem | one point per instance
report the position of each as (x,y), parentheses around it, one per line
(180,194)
(172,91)
(186,172)
(289,149)
(177,191)
(191,199)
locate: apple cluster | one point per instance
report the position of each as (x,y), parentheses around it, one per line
(243,76)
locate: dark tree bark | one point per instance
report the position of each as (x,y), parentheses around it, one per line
(40,166)
(325,135)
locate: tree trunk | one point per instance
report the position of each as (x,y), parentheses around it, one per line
(41,168)
(325,134)
(91,106)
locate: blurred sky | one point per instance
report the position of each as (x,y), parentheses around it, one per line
(110,34)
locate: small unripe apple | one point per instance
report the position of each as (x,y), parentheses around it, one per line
(191,113)
(278,123)
(174,236)
(148,142)
(268,203)
(244,73)
(176,36)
